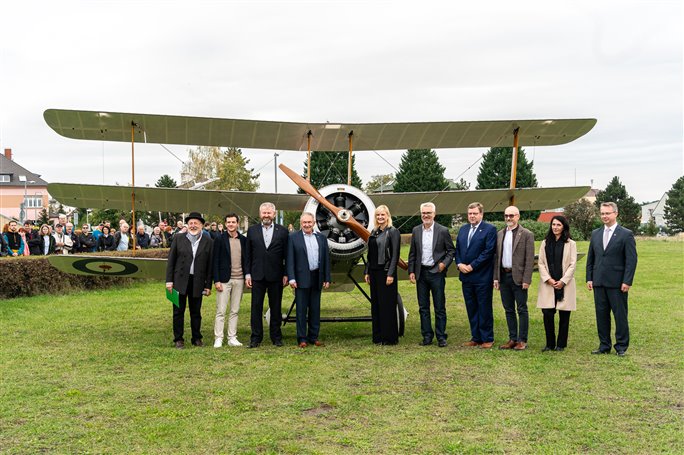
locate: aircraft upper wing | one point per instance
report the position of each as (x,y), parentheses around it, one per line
(246,203)
(257,134)
(451,202)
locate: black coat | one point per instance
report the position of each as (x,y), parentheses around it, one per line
(86,242)
(221,264)
(105,243)
(36,246)
(180,259)
(266,264)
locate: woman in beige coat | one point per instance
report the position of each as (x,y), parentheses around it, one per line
(557,261)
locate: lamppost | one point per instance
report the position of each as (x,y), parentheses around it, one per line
(22,178)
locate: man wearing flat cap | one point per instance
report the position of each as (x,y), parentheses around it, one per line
(188,271)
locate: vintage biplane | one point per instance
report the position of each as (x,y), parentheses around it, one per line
(344,214)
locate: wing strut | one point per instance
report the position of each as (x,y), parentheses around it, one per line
(349,165)
(514,164)
(308,155)
(133,229)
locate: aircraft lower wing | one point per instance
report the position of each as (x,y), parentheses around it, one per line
(247,203)
(274,135)
(451,202)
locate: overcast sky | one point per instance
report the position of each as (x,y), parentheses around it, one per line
(314,61)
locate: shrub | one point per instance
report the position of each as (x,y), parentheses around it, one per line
(26,276)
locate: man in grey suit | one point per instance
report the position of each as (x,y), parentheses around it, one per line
(611,263)
(513,265)
(430,254)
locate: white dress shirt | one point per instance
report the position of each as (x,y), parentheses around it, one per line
(427,258)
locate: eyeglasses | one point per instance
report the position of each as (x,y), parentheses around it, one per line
(506,215)
(606,213)
(426,213)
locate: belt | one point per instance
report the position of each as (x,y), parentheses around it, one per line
(506,270)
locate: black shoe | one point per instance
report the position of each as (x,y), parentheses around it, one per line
(180,344)
(254,344)
(559,349)
(426,342)
(600,351)
(546,348)
(442,343)
(198,343)
(621,353)
(279,343)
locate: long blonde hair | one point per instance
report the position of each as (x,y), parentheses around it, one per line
(386,210)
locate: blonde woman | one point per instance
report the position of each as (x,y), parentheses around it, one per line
(381,274)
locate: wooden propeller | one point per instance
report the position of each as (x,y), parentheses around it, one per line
(343,215)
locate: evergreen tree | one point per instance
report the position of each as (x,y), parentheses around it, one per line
(419,170)
(495,172)
(43,218)
(629,212)
(674,207)
(165,181)
(328,168)
(233,173)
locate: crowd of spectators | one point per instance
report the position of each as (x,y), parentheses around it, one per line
(62,237)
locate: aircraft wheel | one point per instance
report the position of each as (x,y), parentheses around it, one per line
(402,314)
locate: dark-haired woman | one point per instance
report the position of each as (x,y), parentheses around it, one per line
(557,261)
(106,240)
(381,274)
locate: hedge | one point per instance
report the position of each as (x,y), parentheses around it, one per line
(27,276)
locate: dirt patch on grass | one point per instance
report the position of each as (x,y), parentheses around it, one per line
(323,408)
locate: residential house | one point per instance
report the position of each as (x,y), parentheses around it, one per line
(23,194)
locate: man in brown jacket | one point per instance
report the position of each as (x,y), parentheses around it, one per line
(514,262)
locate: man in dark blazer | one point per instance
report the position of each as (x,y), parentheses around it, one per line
(265,273)
(188,271)
(229,265)
(475,247)
(308,268)
(611,264)
(513,266)
(430,254)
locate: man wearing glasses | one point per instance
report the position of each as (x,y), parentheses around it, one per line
(429,257)
(611,263)
(514,262)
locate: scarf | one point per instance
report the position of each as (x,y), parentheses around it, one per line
(554,257)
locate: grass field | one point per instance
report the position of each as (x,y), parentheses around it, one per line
(97,373)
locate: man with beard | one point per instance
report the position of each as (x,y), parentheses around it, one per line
(188,271)
(514,262)
(15,244)
(266,254)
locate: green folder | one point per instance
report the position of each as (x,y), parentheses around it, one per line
(172,295)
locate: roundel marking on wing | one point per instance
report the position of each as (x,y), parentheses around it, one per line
(109,267)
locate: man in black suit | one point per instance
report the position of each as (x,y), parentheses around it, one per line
(611,263)
(308,267)
(430,254)
(189,272)
(266,254)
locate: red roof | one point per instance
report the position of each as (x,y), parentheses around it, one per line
(545,217)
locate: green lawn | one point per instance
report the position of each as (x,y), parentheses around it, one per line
(96,373)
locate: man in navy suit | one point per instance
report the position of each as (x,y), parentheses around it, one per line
(265,273)
(308,267)
(611,263)
(475,248)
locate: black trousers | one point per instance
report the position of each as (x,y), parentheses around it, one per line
(275,298)
(384,308)
(195,304)
(550,329)
(512,295)
(613,300)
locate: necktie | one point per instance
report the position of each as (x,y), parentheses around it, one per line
(606,238)
(470,235)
